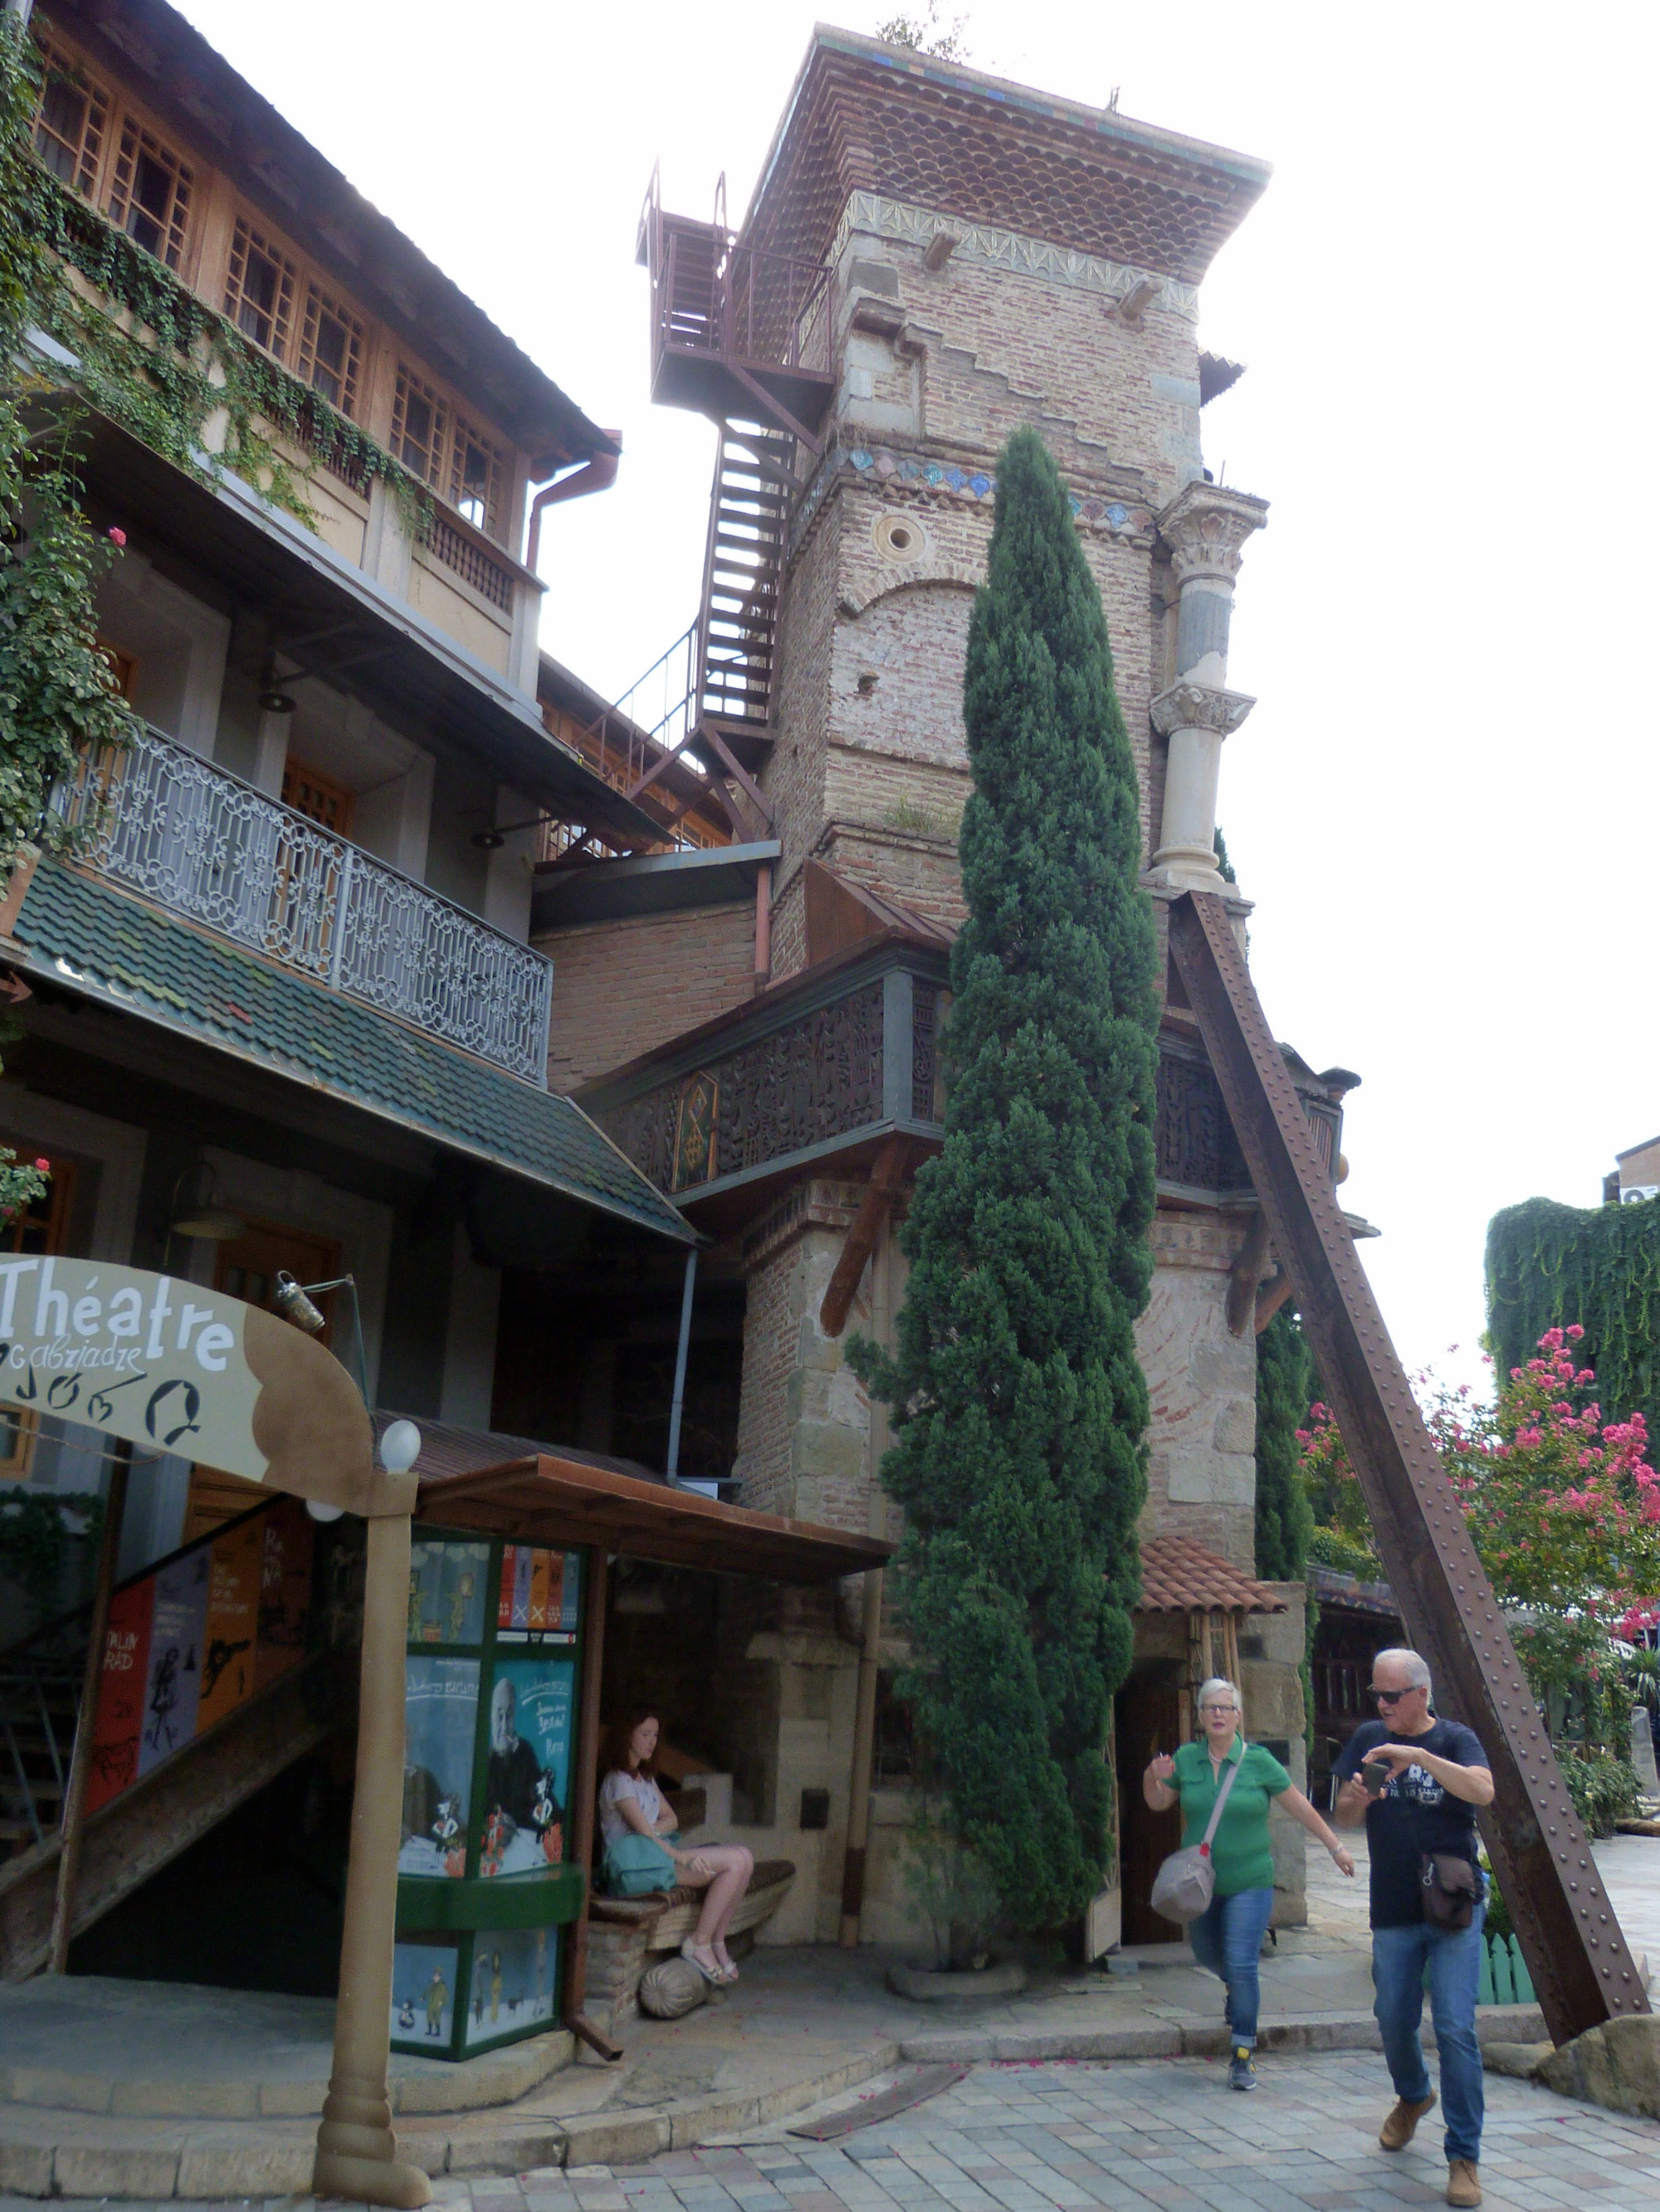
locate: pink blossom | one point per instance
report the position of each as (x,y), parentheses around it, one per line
(117,536)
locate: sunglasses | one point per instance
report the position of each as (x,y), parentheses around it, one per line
(1386,1696)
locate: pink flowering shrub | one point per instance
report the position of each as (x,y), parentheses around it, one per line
(1563,1508)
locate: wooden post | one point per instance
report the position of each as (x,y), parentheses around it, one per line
(864,1741)
(356,2150)
(74,1795)
(587,1783)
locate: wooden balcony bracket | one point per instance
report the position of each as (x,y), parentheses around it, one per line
(886,1180)
(1247,1273)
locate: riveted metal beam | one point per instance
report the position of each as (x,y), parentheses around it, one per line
(1574,1945)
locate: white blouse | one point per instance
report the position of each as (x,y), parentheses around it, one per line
(618,1785)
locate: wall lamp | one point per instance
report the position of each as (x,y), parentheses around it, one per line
(294,1302)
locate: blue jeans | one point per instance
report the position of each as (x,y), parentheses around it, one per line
(1227,1938)
(1398,1957)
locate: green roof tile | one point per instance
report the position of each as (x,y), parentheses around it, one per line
(95,937)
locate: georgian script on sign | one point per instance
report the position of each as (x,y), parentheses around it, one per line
(173,1367)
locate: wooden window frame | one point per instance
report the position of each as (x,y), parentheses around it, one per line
(466,433)
(320,302)
(411,381)
(245,239)
(137,140)
(88,156)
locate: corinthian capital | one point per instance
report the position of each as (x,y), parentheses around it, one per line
(1205,527)
(1189,706)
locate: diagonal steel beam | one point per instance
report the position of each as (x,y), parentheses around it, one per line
(1575,1951)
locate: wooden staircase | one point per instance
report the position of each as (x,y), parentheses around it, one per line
(146,1822)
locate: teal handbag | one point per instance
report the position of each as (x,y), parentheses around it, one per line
(636,1865)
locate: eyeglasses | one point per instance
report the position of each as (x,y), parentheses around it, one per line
(1218,1708)
(1386,1696)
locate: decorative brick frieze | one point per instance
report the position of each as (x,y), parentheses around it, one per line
(1006,251)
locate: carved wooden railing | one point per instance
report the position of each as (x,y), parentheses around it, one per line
(826,1074)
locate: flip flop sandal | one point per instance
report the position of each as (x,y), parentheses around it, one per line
(711,1974)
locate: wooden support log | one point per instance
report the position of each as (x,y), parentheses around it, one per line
(1274,1294)
(1246,1272)
(886,1179)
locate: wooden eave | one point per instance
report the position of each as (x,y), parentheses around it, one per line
(545,1499)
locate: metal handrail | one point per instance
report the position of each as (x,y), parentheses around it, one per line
(202,841)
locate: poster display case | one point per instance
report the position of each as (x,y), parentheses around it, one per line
(485,1887)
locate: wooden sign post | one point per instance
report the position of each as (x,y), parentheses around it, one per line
(172,1367)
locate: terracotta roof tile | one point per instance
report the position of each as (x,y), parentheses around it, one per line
(1179,1576)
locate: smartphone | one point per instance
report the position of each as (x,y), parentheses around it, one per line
(1374,1774)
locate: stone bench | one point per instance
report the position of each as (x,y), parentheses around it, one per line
(623,1933)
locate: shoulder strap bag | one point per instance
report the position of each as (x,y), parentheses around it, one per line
(1449,1886)
(1185,1884)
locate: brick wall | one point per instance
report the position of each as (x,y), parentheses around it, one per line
(620,987)
(880,585)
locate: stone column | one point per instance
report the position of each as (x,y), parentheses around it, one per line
(1194,718)
(1205,528)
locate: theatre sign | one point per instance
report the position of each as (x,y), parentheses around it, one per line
(172,1367)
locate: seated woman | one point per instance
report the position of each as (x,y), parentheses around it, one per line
(632,1808)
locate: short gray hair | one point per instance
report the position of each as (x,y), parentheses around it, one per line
(1221,1682)
(1411,1662)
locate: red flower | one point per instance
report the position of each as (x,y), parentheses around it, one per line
(117,536)
(43,1166)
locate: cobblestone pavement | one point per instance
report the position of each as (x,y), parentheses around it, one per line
(1143,2135)
(1161,2133)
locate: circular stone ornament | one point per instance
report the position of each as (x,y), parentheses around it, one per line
(670,1990)
(900,538)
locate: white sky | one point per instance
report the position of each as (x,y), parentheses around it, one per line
(1444,299)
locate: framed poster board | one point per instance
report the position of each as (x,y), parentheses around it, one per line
(190,1638)
(485,1885)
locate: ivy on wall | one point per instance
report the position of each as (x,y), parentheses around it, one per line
(1548,1266)
(153,356)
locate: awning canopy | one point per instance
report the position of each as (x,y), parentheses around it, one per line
(1179,1576)
(543,1498)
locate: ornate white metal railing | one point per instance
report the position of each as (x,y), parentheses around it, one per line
(198,840)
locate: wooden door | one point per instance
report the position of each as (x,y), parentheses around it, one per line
(1147,1720)
(246,1268)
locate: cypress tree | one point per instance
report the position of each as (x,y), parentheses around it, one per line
(1020,1407)
(1285,1391)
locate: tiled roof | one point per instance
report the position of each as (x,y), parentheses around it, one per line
(84,934)
(1179,1576)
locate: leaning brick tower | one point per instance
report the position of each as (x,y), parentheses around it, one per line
(996,257)
(932,260)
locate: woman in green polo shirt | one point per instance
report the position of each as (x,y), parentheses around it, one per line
(1227,1938)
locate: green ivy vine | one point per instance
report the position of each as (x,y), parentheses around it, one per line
(1548,1265)
(165,364)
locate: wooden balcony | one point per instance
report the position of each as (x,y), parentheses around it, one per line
(819,1071)
(734,329)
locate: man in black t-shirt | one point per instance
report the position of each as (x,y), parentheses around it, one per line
(1437,1776)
